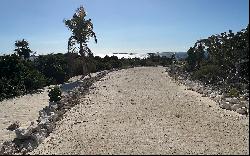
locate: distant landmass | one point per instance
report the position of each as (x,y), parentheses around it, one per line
(178,55)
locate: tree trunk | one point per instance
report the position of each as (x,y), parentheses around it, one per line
(82,56)
(85,64)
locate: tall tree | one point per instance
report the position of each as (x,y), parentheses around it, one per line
(22,48)
(82,31)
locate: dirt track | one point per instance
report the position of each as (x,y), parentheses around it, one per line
(142,111)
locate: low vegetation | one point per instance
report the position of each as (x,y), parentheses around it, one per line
(55,94)
(221,60)
(18,76)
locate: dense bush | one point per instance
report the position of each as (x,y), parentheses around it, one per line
(221,58)
(233,92)
(54,67)
(106,63)
(115,62)
(18,76)
(55,94)
(74,64)
(209,74)
(100,64)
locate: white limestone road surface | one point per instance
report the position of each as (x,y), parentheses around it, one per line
(142,111)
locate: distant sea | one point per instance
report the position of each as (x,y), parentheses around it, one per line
(178,55)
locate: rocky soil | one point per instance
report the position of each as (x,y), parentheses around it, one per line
(238,104)
(144,111)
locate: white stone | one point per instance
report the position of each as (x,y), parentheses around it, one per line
(235,107)
(232,100)
(225,105)
(212,95)
(24,132)
(209,91)
(241,111)
(38,137)
(247,105)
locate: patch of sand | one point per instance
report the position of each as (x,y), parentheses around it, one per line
(24,109)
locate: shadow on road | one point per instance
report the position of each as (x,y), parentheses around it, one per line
(69,86)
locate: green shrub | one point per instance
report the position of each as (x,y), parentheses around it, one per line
(151,63)
(209,74)
(233,92)
(34,80)
(54,67)
(55,94)
(74,64)
(115,62)
(18,76)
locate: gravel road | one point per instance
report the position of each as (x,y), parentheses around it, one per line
(142,111)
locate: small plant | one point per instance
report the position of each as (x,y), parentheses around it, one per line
(55,94)
(209,74)
(233,92)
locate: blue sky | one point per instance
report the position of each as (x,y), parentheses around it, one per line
(120,25)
